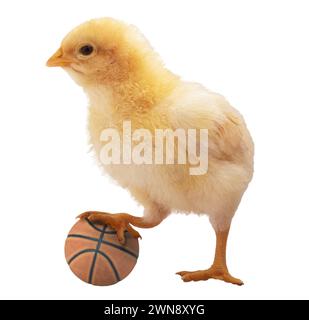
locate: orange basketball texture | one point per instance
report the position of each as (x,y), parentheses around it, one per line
(95,255)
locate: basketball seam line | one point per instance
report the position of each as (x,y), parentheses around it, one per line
(104,242)
(83,237)
(91,224)
(95,255)
(120,248)
(111,264)
(102,254)
(80,253)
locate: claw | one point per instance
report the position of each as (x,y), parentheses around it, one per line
(133,232)
(87,214)
(181,273)
(84,215)
(120,235)
(119,222)
(211,273)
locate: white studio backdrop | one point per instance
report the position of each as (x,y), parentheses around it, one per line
(255,53)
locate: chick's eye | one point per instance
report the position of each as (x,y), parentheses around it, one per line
(86,50)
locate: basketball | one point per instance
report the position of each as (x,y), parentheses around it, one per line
(95,255)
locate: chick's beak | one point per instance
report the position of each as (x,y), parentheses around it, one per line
(58,60)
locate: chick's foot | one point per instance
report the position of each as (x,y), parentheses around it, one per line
(118,221)
(211,273)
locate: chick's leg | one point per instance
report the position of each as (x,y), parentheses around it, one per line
(123,221)
(219,269)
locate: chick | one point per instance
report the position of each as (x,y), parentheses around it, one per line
(126,80)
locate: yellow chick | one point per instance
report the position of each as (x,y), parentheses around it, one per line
(126,80)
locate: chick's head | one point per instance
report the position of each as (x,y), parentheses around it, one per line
(102,51)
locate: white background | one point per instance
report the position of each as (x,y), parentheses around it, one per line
(253,52)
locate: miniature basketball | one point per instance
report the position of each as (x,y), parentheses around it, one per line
(95,255)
